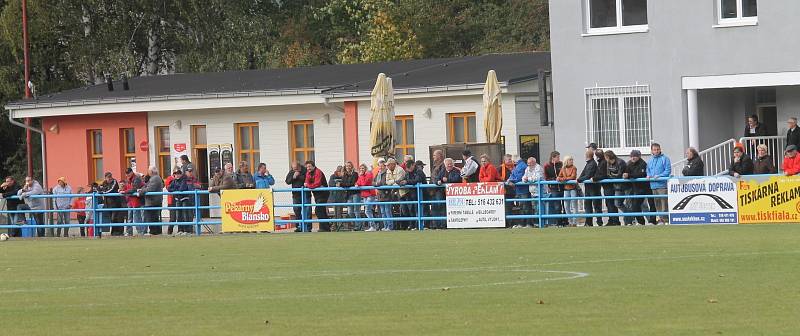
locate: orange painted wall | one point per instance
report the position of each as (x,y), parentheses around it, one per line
(68,150)
(351,131)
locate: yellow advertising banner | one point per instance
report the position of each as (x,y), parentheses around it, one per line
(769,199)
(247,210)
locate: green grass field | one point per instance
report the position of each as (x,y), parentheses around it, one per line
(702,280)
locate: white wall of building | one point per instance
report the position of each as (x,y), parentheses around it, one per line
(273,134)
(433,131)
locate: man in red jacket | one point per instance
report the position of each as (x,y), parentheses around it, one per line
(791,162)
(134,183)
(315,178)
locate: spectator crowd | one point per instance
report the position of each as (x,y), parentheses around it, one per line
(384,196)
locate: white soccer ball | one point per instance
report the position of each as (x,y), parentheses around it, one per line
(3,237)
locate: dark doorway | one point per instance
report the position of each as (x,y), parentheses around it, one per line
(768,115)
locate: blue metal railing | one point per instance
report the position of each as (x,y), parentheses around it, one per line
(429,207)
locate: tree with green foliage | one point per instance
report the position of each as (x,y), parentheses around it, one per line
(77,43)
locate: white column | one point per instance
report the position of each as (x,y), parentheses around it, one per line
(692,114)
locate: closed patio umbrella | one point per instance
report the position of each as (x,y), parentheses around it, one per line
(493,109)
(382,118)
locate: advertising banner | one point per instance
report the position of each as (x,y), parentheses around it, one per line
(769,199)
(476,205)
(247,210)
(226,154)
(706,200)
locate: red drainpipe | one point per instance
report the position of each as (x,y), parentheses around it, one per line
(26,52)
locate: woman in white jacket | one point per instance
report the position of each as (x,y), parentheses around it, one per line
(534,173)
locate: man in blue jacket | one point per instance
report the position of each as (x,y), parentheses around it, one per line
(263,178)
(659,167)
(521,191)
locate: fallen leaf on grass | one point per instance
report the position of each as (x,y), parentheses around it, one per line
(540,302)
(712,301)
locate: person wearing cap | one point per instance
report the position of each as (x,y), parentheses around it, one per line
(62,203)
(469,172)
(135,214)
(592,146)
(636,169)
(694,164)
(659,167)
(741,164)
(488,173)
(791,161)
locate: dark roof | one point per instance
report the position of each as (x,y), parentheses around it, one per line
(510,67)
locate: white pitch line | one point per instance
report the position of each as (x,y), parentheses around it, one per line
(357,273)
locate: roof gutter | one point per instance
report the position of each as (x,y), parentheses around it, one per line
(141,99)
(37,130)
(424,89)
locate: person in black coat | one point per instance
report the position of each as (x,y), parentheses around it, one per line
(608,188)
(594,206)
(754,128)
(110,186)
(741,165)
(694,165)
(9,189)
(636,169)
(793,134)
(295,178)
(616,171)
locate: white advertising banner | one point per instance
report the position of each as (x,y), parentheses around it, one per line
(476,205)
(706,200)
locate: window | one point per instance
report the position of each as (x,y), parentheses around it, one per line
(461,128)
(301,140)
(128,143)
(95,155)
(737,12)
(163,152)
(247,144)
(616,16)
(200,154)
(619,117)
(403,136)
